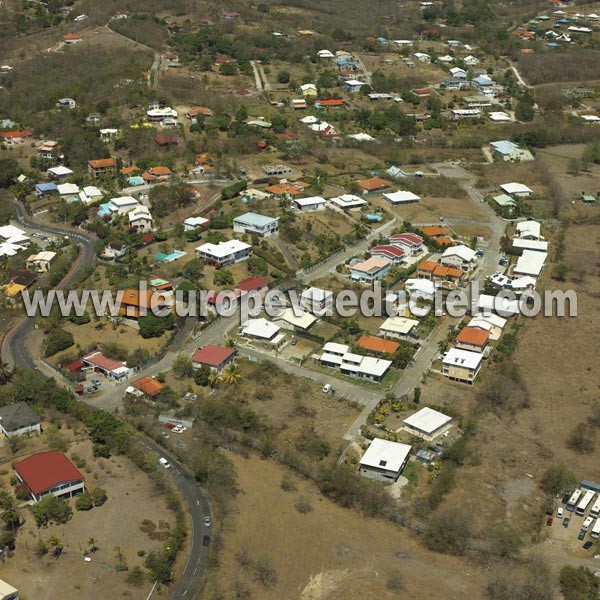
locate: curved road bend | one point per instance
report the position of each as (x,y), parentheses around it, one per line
(191,581)
(13,345)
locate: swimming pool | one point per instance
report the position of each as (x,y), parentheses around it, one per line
(137,180)
(162,257)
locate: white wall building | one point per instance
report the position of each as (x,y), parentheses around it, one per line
(384,460)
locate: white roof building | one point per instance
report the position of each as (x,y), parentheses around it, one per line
(384,459)
(529,230)
(311,203)
(122,204)
(401,197)
(223,249)
(427,422)
(357,365)
(516,189)
(460,252)
(530,263)
(325,54)
(68,189)
(424,287)
(13,235)
(60,171)
(499,117)
(260,328)
(297,319)
(537,245)
(396,327)
(462,358)
(348,201)
(489,304)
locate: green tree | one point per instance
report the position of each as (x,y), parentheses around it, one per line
(84,501)
(99,496)
(558,479)
(183,367)
(449,531)
(283,77)
(152,326)
(232,373)
(223,277)
(578,583)
(57,340)
(51,509)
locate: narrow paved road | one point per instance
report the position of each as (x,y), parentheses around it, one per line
(329,265)
(13,349)
(191,580)
(257,79)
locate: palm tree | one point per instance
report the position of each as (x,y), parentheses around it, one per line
(10,515)
(232,373)
(6,373)
(443,345)
(230,343)
(56,545)
(214,379)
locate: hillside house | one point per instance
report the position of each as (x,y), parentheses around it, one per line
(49,473)
(255,224)
(216,358)
(472,339)
(97,168)
(340,357)
(427,423)
(384,460)
(371,270)
(18,420)
(461,365)
(224,253)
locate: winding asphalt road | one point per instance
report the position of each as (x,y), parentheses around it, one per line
(191,581)
(13,344)
(14,350)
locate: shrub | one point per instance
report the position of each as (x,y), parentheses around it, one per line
(99,496)
(84,502)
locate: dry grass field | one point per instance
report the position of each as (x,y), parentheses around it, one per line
(132,498)
(330,552)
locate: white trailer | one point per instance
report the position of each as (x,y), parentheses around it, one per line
(585,502)
(573,500)
(587,523)
(595,510)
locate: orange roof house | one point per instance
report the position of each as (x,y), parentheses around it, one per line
(160,171)
(426,267)
(291,189)
(136,303)
(441,272)
(330,102)
(149,386)
(444,241)
(472,338)
(100,166)
(377,344)
(373,184)
(199,111)
(434,231)
(71,38)
(129,170)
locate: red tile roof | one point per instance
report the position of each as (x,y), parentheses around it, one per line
(150,386)
(374,183)
(212,355)
(17,134)
(103,163)
(252,284)
(331,102)
(97,359)
(45,470)
(76,365)
(377,344)
(427,265)
(410,239)
(387,250)
(433,231)
(473,336)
